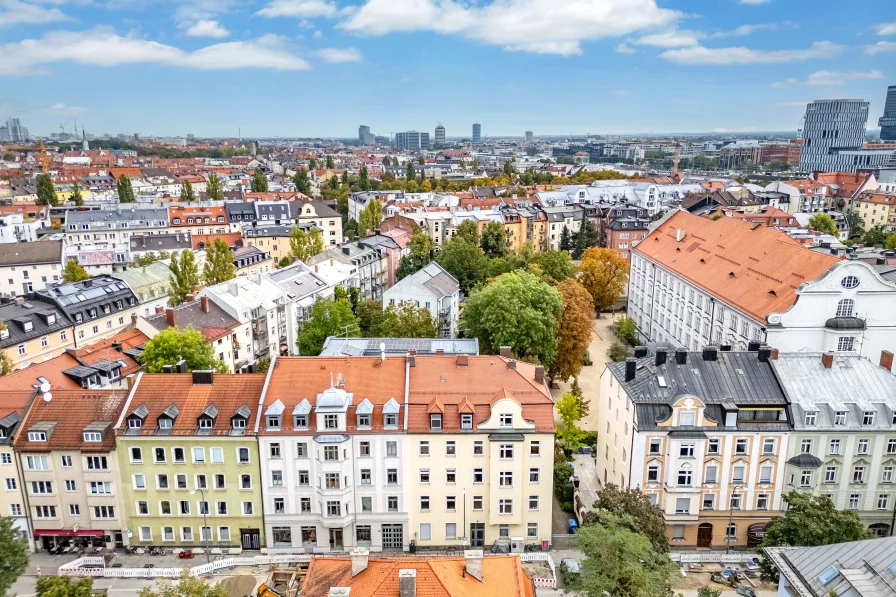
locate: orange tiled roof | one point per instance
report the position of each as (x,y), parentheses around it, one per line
(879,198)
(14,401)
(52,371)
(231,238)
(502,576)
(213,212)
(70,412)
(754,269)
(103,350)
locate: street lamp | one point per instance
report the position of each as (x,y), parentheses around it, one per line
(730,518)
(204,523)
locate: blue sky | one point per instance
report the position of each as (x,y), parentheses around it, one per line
(322,67)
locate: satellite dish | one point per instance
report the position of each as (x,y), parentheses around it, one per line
(47,396)
(45,387)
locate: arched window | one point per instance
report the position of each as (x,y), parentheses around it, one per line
(849,282)
(844,308)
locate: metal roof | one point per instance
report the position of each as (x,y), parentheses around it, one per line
(336,346)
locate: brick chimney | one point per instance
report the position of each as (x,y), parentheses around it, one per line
(506,352)
(159,309)
(169,317)
(189,297)
(203,303)
(827,359)
(886,360)
(539,374)
(463,360)
(511,365)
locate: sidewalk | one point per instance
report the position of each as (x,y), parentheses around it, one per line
(49,564)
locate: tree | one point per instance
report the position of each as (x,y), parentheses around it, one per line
(647,519)
(421,160)
(465,261)
(574,333)
(856,224)
(262,365)
(13,554)
(73,272)
(556,265)
(517,310)
(6,365)
(219,265)
(302,182)
(387,161)
(891,242)
(363,178)
(330,164)
(494,239)
(46,192)
(77,198)
(809,520)
(876,235)
(823,223)
(305,245)
(172,345)
(259,183)
(586,237)
(186,191)
(312,164)
(509,170)
(778,166)
(186,586)
(570,434)
(125,190)
(407,320)
(708,591)
(370,315)
(468,231)
(370,217)
(328,318)
(627,330)
(410,173)
(184,277)
(621,562)
(213,188)
(421,250)
(565,239)
(63,586)
(604,274)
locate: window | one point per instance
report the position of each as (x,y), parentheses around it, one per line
(45,511)
(424,503)
(186,533)
(868,417)
(687,419)
(506,420)
(167,533)
(37,436)
(93,436)
(277,478)
(304,478)
(201,482)
(805,478)
(142,508)
(424,475)
(181,481)
(684,477)
(765,473)
(331,481)
(683,505)
(435,422)
(710,476)
(735,501)
(810,418)
(887,476)
(391,449)
(11,484)
(477,502)
(450,448)
(466,421)
(534,475)
(392,503)
(862,446)
(505,479)
(145,534)
(392,476)
(364,421)
(334,508)
(654,446)
(737,475)
(198,454)
(104,512)
(478,448)
(100,487)
(741,446)
(845,343)
(424,448)
(300,421)
(272,422)
(425,531)
(806,446)
(41,487)
(505,451)
(451,476)
(883,501)
(180,457)
(505,506)
(139,482)
(762,501)
(834,446)
(331,453)
(203,508)
(858,474)
(165,508)
(768,446)
(731,533)
(533,502)
(845,307)
(830,474)
(853,501)
(365,476)
(331,421)
(390,421)
(275,450)
(243,455)
(709,501)
(686,450)
(849,282)
(364,449)
(37,463)
(302,450)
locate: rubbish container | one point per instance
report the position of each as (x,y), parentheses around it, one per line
(545,545)
(573,525)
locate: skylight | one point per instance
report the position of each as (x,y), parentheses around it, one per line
(827,575)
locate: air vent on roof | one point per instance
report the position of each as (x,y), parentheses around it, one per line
(662,381)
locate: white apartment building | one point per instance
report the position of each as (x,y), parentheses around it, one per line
(112,226)
(302,286)
(434,289)
(26,267)
(14,229)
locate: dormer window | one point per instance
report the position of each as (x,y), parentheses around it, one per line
(273,422)
(51,319)
(37,436)
(27,325)
(165,423)
(506,420)
(206,423)
(301,421)
(364,421)
(840,418)
(331,421)
(466,421)
(93,436)
(435,422)
(687,419)
(238,423)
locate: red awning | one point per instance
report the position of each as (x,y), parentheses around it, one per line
(68,533)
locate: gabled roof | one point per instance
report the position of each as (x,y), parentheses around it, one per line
(68,414)
(44,251)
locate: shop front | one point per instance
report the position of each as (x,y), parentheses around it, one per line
(71,540)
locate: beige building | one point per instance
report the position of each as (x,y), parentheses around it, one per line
(32,332)
(321,216)
(12,500)
(66,452)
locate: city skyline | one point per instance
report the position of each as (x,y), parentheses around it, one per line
(644,66)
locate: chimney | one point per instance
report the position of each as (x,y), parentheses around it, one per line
(116,346)
(539,374)
(189,297)
(359,560)
(774,354)
(412,358)
(203,303)
(169,317)
(640,352)
(407,583)
(725,348)
(134,318)
(167,368)
(234,288)
(440,352)
(764,353)
(681,356)
(753,346)
(511,365)
(159,309)
(472,564)
(181,366)
(827,359)
(631,367)
(506,352)
(710,353)
(679,235)
(132,379)
(463,360)
(886,360)
(660,358)
(340,592)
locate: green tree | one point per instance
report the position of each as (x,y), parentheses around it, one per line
(387,161)
(778,166)
(186,586)
(566,240)
(184,277)
(13,554)
(370,217)
(213,187)
(172,345)
(556,265)
(708,591)
(302,182)
(259,183)
(856,224)
(468,231)
(6,366)
(509,170)
(312,164)
(46,192)
(9,157)
(410,173)
(586,237)
(465,261)
(354,298)
(569,433)
(330,164)
(186,191)
(219,265)
(73,272)
(125,190)
(574,333)
(876,235)
(646,518)
(627,330)
(604,274)
(77,198)
(891,242)
(621,562)
(421,160)
(305,245)
(407,320)
(563,487)
(363,178)
(328,318)
(809,520)
(494,240)
(63,586)
(421,251)
(370,315)
(823,223)
(701,162)
(517,310)
(263,365)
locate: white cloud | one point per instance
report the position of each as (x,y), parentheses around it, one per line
(745,30)
(754,2)
(196,10)
(624,48)
(539,26)
(302,9)
(207,28)
(742,55)
(339,55)
(673,38)
(14,12)
(66,110)
(102,47)
(830,78)
(317,35)
(886,29)
(881,46)
(306,24)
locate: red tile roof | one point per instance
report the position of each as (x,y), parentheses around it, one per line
(103,350)
(52,371)
(231,238)
(69,413)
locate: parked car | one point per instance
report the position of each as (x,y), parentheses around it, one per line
(584,450)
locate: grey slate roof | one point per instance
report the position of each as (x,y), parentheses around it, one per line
(437,280)
(855,569)
(34,311)
(336,346)
(161,242)
(44,251)
(152,215)
(298,280)
(96,293)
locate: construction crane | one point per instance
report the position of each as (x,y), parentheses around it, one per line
(44,159)
(62,127)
